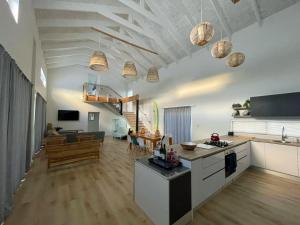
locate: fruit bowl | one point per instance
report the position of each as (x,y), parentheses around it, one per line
(189,146)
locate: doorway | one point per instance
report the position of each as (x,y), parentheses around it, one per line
(177,123)
(93,121)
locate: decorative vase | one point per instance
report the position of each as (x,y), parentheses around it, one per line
(157,133)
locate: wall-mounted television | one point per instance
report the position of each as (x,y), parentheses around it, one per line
(68,115)
(281,105)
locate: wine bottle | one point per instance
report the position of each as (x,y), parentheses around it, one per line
(161,151)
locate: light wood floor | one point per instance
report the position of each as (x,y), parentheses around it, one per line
(101,193)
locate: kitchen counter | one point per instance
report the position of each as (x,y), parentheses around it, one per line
(236,140)
(203,153)
(270,141)
(166,174)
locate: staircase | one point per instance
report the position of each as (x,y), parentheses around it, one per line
(105,95)
(131,118)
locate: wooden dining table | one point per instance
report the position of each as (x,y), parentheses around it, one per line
(152,138)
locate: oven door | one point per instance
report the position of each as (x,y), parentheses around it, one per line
(230,164)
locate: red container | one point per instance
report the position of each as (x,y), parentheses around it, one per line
(215,137)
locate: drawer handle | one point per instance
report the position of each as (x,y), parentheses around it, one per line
(212,174)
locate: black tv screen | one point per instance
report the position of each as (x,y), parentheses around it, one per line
(281,105)
(68,115)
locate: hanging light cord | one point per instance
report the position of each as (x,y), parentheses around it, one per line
(201,11)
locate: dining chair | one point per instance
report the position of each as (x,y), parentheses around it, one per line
(129,142)
(142,144)
(134,142)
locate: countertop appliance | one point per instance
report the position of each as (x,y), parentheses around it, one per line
(215,137)
(220,144)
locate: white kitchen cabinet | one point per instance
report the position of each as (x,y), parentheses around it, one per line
(282,158)
(258,157)
(151,191)
(243,162)
(208,176)
(212,184)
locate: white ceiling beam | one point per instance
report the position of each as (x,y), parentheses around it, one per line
(221,17)
(103,10)
(61,47)
(93,23)
(257,13)
(50,46)
(81,62)
(57,54)
(82,58)
(65,64)
(94,37)
(168,25)
(74,48)
(140,8)
(66,53)
(75,23)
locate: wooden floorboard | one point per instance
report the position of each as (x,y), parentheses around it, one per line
(100,192)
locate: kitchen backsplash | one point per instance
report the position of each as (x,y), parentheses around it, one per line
(266,127)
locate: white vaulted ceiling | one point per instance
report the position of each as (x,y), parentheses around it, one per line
(68,35)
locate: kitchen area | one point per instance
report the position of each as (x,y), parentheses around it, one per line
(171,192)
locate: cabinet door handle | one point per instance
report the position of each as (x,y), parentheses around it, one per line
(243,157)
(212,174)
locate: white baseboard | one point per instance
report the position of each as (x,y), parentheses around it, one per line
(277,174)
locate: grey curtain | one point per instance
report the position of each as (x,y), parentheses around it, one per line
(177,123)
(15,101)
(40,122)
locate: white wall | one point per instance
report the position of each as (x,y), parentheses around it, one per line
(272,66)
(65,92)
(17,39)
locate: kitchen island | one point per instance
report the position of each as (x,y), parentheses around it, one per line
(202,174)
(164,195)
(211,169)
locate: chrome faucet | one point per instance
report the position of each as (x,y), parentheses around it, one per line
(283,135)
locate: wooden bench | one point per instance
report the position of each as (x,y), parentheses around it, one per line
(61,154)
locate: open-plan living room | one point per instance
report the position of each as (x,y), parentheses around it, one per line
(153,112)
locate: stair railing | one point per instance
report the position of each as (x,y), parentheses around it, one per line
(143,117)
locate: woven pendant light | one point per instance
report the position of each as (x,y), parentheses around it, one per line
(221,49)
(129,70)
(152,75)
(235,59)
(202,33)
(98,61)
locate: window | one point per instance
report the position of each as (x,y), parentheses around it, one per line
(43,78)
(14,8)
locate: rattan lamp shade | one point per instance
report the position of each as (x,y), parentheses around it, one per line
(98,61)
(221,49)
(129,70)
(202,33)
(152,75)
(235,59)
